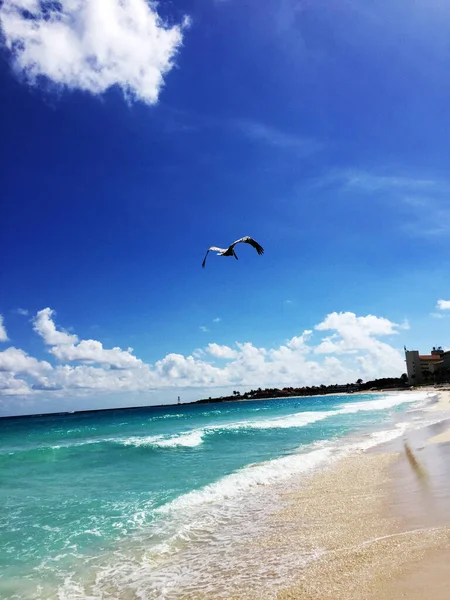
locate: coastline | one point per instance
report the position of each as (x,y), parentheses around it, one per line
(354,512)
(382,518)
(345,530)
(230,399)
(375,525)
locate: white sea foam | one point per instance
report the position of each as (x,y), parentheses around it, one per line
(300,419)
(189,439)
(198,527)
(195,437)
(276,470)
(167,416)
(381,437)
(388,401)
(251,476)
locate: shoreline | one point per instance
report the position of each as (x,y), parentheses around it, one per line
(342,518)
(330,533)
(74,413)
(382,518)
(340,531)
(374,525)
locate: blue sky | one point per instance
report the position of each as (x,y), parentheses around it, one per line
(130,143)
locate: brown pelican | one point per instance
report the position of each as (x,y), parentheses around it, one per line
(230,250)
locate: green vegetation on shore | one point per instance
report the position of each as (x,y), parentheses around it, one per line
(288,392)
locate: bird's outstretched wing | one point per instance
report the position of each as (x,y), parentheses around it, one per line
(248,240)
(212,249)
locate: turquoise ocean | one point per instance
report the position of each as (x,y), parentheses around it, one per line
(153,502)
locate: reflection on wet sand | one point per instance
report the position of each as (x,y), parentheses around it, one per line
(416,466)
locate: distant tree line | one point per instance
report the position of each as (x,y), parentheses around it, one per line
(289,392)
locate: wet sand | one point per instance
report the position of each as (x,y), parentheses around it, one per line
(443,404)
(373,526)
(382,519)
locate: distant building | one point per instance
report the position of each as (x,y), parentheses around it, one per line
(420,366)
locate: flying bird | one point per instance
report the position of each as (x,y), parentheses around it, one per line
(230,250)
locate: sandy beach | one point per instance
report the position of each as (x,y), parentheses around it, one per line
(373,526)
(382,519)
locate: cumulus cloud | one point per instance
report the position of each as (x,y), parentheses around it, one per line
(3,334)
(299,342)
(348,324)
(91,45)
(67,348)
(443,304)
(46,328)
(80,367)
(352,333)
(221,351)
(13,386)
(14,360)
(359,334)
(178,370)
(92,351)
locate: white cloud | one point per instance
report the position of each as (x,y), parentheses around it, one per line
(221,351)
(3,334)
(443,304)
(204,329)
(92,45)
(352,327)
(175,369)
(82,367)
(299,342)
(217,320)
(12,386)
(92,351)
(358,334)
(405,325)
(14,360)
(21,311)
(44,325)
(65,347)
